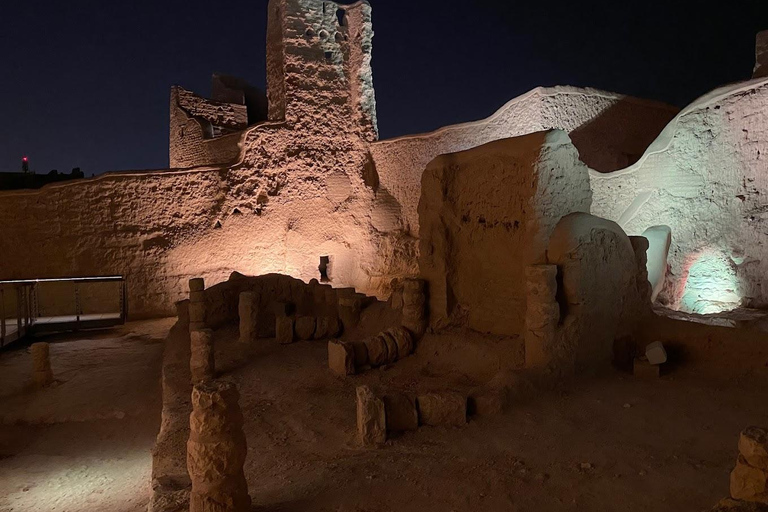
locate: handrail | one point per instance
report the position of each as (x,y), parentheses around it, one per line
(28,318)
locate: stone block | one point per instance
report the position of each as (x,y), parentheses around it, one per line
(642,369)
(655,353)
(197,312)
(201,357)
(389,339)
(197,284)
(753,446)
(341,358)
(197,296)
(403,340)
(350,308)
(488,401)
(446,408)
(248,313)
(305,327)
(284,329)
(748,483)
(371,418)
(401,413)
(327,327)
(377,351)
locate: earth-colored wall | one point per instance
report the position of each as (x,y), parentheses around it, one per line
(610,131)
(487,213)
(706,178)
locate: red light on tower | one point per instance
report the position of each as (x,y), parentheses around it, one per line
(24,164)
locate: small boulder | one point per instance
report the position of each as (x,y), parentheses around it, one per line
(341,358)
(748,483)
(442,409)
(753,446)
(655,353)
(284,329)
(371,418)
(377,351)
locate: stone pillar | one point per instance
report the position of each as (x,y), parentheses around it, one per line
(542,314)
(247,309)
(196,304)
(350,307)
(201,359)
(415,306)
(371,418)
(42,375)
(216,450)
(761,55)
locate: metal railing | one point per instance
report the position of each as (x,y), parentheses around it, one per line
(30,306)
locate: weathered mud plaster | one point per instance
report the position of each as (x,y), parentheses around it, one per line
(705,178)
(277,196)
(485,215)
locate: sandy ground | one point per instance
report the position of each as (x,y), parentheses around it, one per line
(601,444)
(83,444)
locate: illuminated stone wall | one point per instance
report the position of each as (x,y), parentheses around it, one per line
(610,131)
(705,178)
(486,214)
(312,181)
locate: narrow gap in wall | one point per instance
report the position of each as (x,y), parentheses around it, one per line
(217,225)
(340,13)
(328,55)
(323,268)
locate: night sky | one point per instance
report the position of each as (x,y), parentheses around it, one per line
(86,84)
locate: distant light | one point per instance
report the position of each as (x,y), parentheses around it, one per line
(24,159)
(712,285)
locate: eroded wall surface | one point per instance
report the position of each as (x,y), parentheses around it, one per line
(310,182)
(610,131)
(706,178)
(487,213)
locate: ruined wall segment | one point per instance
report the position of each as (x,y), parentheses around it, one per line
(705,178)
(319,76)
(609,130)
(203,132)
(486,214)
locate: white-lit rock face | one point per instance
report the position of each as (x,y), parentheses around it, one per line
(705,178)
(487,213)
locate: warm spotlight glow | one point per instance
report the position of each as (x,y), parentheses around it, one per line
(711,286)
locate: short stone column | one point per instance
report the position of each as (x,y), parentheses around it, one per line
(201,357)
(542,314)
(196,304)
(248,311)
(640,246)
(42,375)
(350,307)
(216,450)
(371,418)
(415,306)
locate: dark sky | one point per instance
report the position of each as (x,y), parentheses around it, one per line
(87,83)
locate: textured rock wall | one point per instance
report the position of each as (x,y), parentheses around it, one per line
(191,141)
(610,131)
(705,178)
(486,214)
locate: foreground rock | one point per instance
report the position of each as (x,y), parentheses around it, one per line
(216,450)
